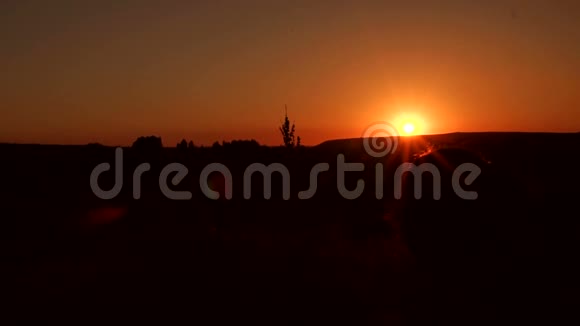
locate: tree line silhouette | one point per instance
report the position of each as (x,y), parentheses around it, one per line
(287,130)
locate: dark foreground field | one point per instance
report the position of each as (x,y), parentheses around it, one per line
(508,257)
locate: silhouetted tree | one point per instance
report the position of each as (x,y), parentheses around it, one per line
(182,146)
(242,146)
(190,146)
(148,143)
(287,131)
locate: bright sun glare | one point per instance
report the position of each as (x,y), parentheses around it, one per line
(409,123)
(408,128)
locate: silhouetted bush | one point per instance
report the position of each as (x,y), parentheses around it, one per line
(182,146)
(148,143)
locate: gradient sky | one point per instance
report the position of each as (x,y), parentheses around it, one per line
(104,71)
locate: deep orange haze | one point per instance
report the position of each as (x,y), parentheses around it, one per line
(109,72)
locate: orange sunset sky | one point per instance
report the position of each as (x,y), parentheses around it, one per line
(74,72)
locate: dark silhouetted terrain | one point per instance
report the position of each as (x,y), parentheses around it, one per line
(509,257)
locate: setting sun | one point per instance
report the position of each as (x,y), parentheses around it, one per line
(409,123)
(408,128)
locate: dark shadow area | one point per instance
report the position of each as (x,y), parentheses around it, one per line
(507,257)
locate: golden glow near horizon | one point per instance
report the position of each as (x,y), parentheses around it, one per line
(409,124)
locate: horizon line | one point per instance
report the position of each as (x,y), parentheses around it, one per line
(328,140)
